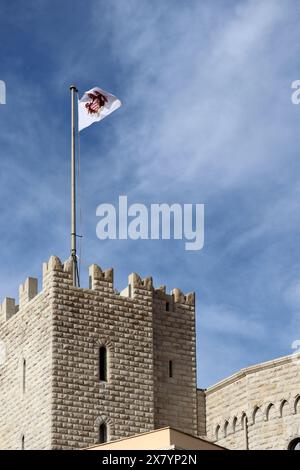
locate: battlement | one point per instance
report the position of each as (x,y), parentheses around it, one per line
(98,279)
(8,308)
(28,291)
(124,360)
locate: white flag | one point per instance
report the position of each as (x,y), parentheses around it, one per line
(95,105)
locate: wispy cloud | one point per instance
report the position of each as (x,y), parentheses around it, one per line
(207,118)
(221,319)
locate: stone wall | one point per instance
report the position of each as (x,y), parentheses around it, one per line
(59,332)
(25,400)
(175,341)
(257,408)
(201,412)
(60,403)
(83,320)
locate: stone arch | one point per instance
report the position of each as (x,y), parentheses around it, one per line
(226,427)
(103,419)
(22,440)
(217,432)
(104,342)
(284,408)
(244,420)
(292,435)
(294,444)
(270,412)
(257,415)
(297,404)
(234,424)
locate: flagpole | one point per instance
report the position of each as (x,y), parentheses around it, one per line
(73,188)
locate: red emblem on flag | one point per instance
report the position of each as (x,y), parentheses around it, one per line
(97,102)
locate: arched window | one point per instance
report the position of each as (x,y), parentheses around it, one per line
(295,444)
(226,428)
(24,376)
(217,433)
(103,363)
(234,424)
(102,433)
(257,415)
(244,420)
(270,413)
(23,442)
(284,408)
(297,405)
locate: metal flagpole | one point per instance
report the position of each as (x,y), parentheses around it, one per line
(73,188)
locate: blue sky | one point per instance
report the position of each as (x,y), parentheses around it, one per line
(207,118)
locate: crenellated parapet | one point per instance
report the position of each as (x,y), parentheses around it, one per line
(181,298)
(57,273)
(27,291)
(176,296)
(135,282)
(116,358)
(97,276)
(54,264)
(8,308)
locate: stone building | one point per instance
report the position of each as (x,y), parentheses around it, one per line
(82,366)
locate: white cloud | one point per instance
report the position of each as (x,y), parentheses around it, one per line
(193,101)
(222,319)
(207,117)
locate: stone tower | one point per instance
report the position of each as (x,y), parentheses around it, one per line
(88,364)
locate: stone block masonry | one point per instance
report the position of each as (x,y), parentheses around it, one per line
(257,408)
(26,374)
(51,396)
(174,344)
(55,392)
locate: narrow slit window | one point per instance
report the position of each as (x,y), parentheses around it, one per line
(170,368)
(103,364)
(102,433)
(167,306)
(23,443)
(24,376)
